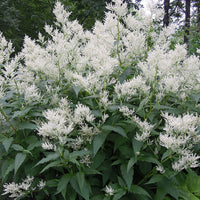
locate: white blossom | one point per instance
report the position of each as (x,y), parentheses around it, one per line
(31,94)
(17,190)
(160,169)
(180,136)
(13,189)
(126,111)
(77,143)
(143,125)
(104,117)
(185,161)
(82,113)
(41,184)
(86,160)
(132,87)
(48,146)
(104,100)
(118,7)
(109,190)
(143,136)
(187,124)
(56,126)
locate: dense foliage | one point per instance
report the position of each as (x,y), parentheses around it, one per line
(110,113)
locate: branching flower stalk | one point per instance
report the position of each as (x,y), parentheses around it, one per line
(153,93)
(118,41)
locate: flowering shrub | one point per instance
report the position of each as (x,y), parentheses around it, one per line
(107,114)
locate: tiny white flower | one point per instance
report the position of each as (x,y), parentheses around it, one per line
(160,169)
(82,113)
(104,117)
(126,111)
(109,190)
(86,160)
(143,137)
(31,94)
(41,184)
(48,146)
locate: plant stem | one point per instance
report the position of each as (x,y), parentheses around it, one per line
(146,177)
(119,58)
(153,93)
(18,93)
(5,116)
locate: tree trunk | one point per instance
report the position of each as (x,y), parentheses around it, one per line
(187,20)
(198,16)
(166,16)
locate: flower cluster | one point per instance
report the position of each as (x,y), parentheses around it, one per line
(144,126)
(17,190)
(60,122)
(180,136)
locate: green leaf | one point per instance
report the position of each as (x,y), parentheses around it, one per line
(81,180)
(76,154)
(98,141)
(91,97)
(52,183)
(127,175)
(52,164)
(137,145)
(114,108)
(193,182)
(139,190)
(66,154)
(17,147)
(27,152)
(117,162)
(77,89)
(118,141)
(163,107)
(149,159)
(27,125)
(85,190)
(63,182)
(191,196)
(168,187)
(71,193)
(154,179)
(166,154)
(142,104)
(160,194)
(97,160)
(116,129)
(96,113)
(34,145)
(19,159)
(6,167)
(72,160)
(9,169)
(120,193)
(21,113)
(131,162)
(91,171)
(121,182)
(126,73)
(51,156)
(7,142)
